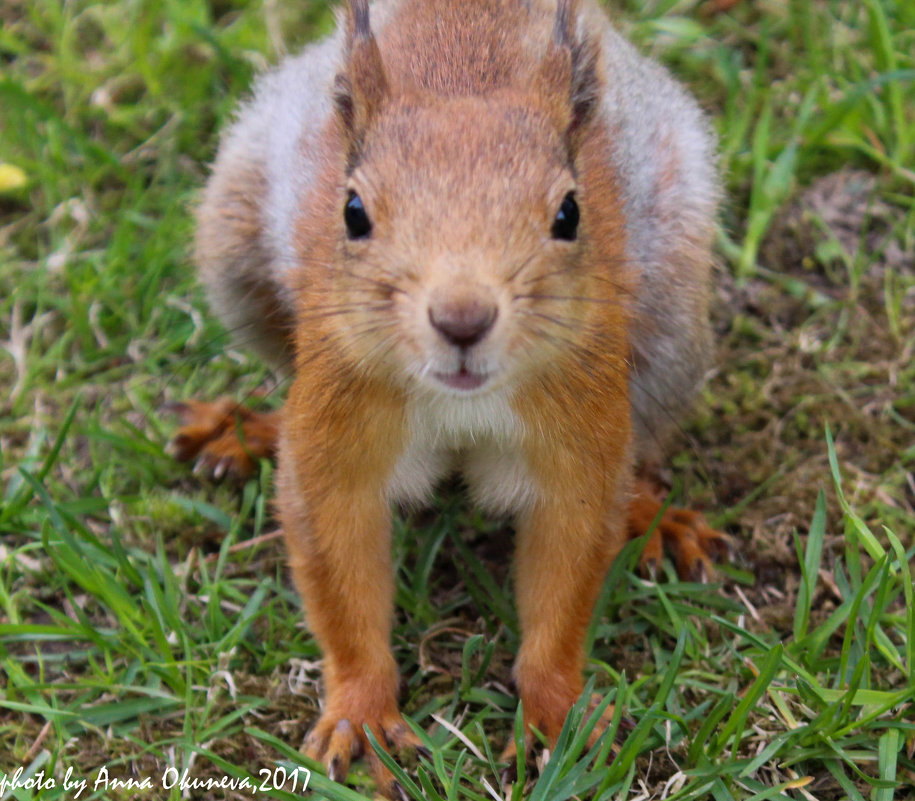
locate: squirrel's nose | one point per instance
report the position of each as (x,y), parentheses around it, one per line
(463,321)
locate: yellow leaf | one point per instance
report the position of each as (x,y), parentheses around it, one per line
(11,177)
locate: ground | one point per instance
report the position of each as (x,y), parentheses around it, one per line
(146,618)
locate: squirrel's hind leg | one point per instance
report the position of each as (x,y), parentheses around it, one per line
(223,438)
(694,545)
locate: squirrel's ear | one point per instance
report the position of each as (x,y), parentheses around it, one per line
(569,74)
(361,88)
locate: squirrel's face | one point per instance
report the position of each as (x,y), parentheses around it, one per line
(464,241)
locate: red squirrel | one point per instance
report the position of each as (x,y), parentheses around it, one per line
(480,232)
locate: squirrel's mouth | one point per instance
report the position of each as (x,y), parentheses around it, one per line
(463,380)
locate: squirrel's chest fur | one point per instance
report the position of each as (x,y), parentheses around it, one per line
(478,437)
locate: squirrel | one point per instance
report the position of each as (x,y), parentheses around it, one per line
(478,235)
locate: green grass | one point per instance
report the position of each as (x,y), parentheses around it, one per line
(146,618)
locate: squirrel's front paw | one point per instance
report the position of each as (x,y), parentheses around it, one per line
(222,438)
(336,740)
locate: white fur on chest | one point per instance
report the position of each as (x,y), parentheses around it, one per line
(479,436)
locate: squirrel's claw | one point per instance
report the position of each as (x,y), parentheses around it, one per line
(694,544)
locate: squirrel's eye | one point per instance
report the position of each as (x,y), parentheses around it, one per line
(358,224)
(565,226)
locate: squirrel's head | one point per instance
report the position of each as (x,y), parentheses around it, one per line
(469,238)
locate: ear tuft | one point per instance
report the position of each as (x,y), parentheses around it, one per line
(361,88)
(562,24)
(569,73)
(358,17)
